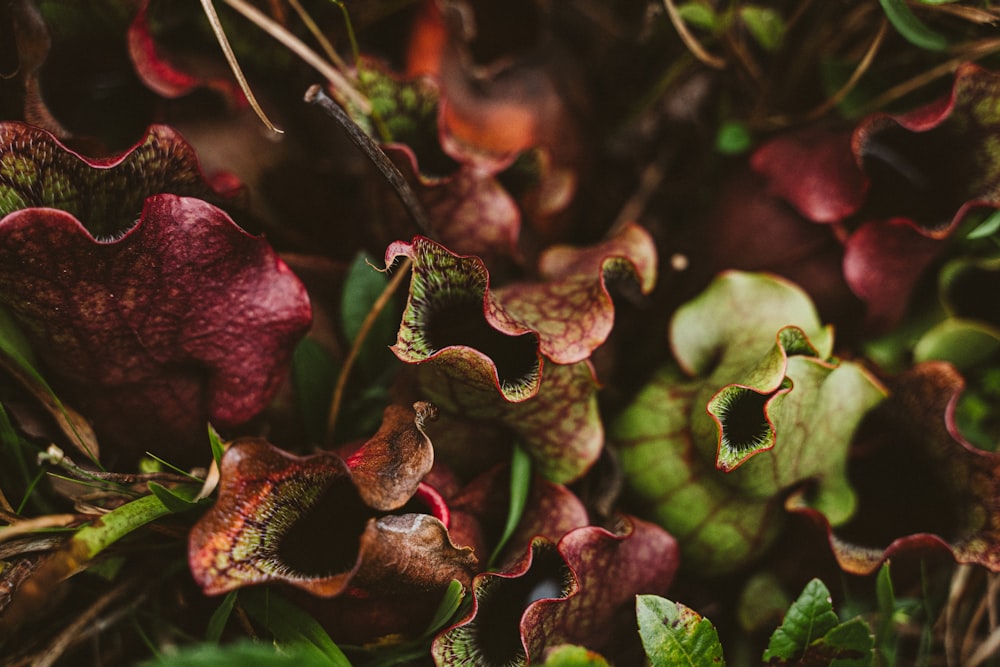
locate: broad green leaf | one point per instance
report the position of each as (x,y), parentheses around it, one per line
(967,344)
(362,288)
(809,618)
(244,652)
(573,656)
(765,24)
(217,623)
(291,626)
(520,485)
(764,408)
(674,635)
(910,27)
(314,372)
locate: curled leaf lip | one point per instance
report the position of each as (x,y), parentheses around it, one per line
(419,349)
(731,455)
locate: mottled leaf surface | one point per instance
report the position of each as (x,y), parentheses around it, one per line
(185,319)
(106,195)
(813,634)
(674,634)
(945,494)
(574,592)
(310,521)
(571,311)
(760,414)
(476,359)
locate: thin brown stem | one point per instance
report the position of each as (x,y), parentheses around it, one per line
(973,52)
(72,632)
(234,65)
(690,41)
(315,31)
(856,75)
(366,326)
(373,152)
(299,48)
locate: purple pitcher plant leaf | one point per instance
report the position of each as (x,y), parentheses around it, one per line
(815,171)
(522,96)
(935,164)
(895,188)
(714,445)
(151,328)
(478,358)
(470,213)
(305,521)
(941,494)
(578,591)
(572,311)
(552,510)
(164,77)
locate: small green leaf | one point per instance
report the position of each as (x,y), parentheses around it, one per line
(886,597)
(910,27)
(244,652)
(809,618)
(217,623)
(673,634)
(362,288)
(176,500)
(449,604)
(849,644)
(700,15)
(292,627)
(988,227)
(568,655)
(765,25)
(520,485)
(314,372)
(733,138)
(218,447)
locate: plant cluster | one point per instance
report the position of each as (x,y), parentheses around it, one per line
(457,333)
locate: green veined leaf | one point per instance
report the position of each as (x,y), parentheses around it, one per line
(810,617)
(812,634)
(520,485)
(910,27)
(673,634)
(291,626)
